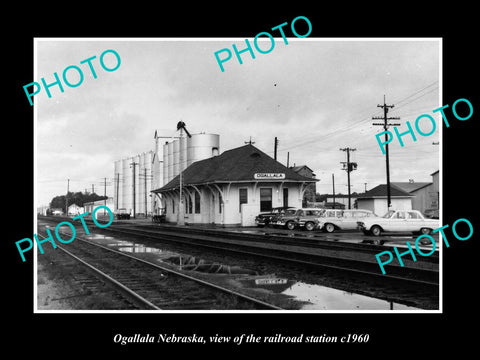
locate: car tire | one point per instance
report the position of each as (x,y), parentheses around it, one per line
(378,242)
(290,225)
(376,230)
(329,228)
(425,231)
(309,226)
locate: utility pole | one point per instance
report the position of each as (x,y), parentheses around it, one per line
(145,184)
(181,212)
(349,167)
(275,149)
(133,164)
(118,182)
(66,197)
(385,125)
(93,188)
(333,183)
(104,183)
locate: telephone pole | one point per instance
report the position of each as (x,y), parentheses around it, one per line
(133,164)
(349,167)
(66,197)
(104,183)
(118,182)
(385,125)
(333,183)
(275,149)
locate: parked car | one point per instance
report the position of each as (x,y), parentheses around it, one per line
(308,218)
(122,214)
(300,218)
(285,219)
(263,219)
(398,221)
(332,220)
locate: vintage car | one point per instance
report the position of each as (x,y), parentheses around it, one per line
(333,219)
(398,221)
(300,218)
(122,214)
(263,219)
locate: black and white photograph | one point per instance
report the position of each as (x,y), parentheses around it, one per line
(210,185)
(260,187)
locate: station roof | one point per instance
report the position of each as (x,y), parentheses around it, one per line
(235,165)
(411,187)
(380,191)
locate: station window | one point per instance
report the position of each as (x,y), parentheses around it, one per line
(189,202)
(285,197)
(173,206)
(197,202)
(220,202)
(265,199)
(242,197)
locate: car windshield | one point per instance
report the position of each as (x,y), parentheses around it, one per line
(389,214)
(290,212)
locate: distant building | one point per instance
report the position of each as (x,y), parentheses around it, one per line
(420,191)
(341,200)
(90,206)
(74,210)
(311,190)
(376,199)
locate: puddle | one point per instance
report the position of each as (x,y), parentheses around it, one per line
(317,297)
(185,262)
(180,261)
(321,297)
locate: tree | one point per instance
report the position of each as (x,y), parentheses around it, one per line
(77,198)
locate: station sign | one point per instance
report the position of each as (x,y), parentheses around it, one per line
(270,281)
(268,176)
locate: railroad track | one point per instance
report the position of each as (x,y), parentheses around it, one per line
(331,257)
(151,286)
(328,241)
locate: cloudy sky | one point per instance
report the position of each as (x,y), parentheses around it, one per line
(315,95)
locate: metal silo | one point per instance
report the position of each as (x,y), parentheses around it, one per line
(183,153)
(176,158)
(170,160)
(165,163)
(202,146)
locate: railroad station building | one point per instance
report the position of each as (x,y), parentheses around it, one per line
(230,189)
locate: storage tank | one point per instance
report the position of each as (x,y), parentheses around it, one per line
(170,161)
(202,146)
(183,153)
(176,158)
(165,163)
